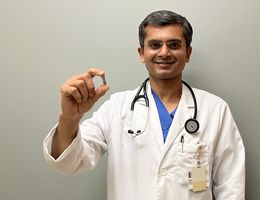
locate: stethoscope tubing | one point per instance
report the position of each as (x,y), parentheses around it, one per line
(191,125)
(138,96)
(194,99)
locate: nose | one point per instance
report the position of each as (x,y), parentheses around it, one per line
(164,51)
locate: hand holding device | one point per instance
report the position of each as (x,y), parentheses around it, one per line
(79,94)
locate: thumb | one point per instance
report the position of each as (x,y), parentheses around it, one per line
(100,91)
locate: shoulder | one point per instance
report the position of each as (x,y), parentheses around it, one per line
(119,101)
(211,103)
(123,97)
(206,96)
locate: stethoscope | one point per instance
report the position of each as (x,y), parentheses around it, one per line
(191,125)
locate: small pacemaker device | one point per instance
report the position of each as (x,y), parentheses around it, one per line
(103,79)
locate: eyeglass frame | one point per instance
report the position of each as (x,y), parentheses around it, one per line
(168,43)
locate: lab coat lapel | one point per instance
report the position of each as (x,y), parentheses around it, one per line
(183,113)
(154,122)
(142,115)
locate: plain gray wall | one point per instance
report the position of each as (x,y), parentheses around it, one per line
(43,43)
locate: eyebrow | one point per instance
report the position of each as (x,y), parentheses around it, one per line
(175,40)
(171,40)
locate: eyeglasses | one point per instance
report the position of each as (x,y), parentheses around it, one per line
(172,45)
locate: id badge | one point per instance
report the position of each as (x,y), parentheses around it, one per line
(198,178)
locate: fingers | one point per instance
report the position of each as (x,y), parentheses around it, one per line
(95,72)
(100,91)
(82,87)
(77,89)
(88,78)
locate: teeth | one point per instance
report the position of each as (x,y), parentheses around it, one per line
(164,62)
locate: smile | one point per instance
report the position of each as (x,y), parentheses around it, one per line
(164,63)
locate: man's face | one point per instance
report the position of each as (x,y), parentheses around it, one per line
(165,52)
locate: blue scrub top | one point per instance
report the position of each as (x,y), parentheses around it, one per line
(165,117)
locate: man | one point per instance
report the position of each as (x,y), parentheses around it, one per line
(153,152)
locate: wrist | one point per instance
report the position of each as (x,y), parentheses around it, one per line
(68,126)
(69,117)
(68,121)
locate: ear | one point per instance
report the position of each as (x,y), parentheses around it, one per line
(141,54)
(189,51)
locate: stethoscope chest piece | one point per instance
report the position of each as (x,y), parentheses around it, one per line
(192,126)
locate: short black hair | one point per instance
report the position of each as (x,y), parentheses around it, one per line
(163,18)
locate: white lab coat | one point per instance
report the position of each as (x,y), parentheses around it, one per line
(146,168)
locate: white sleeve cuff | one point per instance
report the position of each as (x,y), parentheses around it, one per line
(65,162)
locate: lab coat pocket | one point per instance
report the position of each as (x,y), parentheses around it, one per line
(188,156)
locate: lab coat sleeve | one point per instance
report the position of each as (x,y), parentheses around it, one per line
(85,150)
(229,160)
(67,162)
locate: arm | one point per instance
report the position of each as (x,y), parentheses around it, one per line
(78,95)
